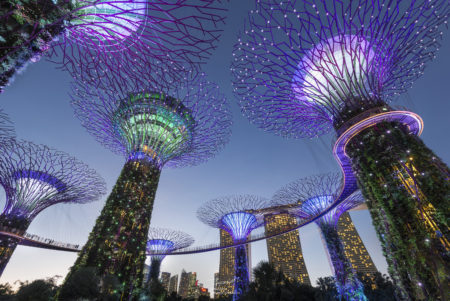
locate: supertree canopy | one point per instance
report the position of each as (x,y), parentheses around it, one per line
(239,216)
(302,68)
(164,241)
(102,37)
(35,177)
(151,130)
(314,195)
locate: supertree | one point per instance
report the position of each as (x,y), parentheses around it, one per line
(100,37)
(164,241)
(151,130)
(302,68)
(239,216)
(312,196)
(35,177)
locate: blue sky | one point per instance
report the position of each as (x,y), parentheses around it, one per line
(254,162)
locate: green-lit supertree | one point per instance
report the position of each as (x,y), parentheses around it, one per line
(152,130)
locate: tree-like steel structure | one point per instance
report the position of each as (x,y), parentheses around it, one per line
(151,130)
(35,177)
(239,216)
(98,36)
(312,196)
(302,68)
(164,241)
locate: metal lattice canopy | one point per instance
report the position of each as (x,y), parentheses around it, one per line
(238,215)
(311,196)
(35,177)
(298,66)
(123,38)
(162,240)
(6,126)
(184,127)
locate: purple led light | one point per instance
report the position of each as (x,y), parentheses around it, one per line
(311,196)
(112,39)
(35,177)
(239,224)
(300,66)
(165,241)
(235,214)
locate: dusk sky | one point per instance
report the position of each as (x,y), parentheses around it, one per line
(254,162)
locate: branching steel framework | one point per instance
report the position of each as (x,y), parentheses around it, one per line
(99,37)
(6,126)
(239,216)
(152,130)
(35,177)
(312,196)
(164,241)
(302,68)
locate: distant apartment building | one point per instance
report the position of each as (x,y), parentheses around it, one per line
(224,283)
(173,284)
(165,278)
(192,290)
(146,271)
(355,250)
(184,284)
(285,251)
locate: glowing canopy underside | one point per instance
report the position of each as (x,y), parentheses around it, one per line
(35,177)
(239,224)
(106,19)
(154,125)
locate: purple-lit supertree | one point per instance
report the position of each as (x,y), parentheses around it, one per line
(164,241)
(314,195)
(151,130)
(99,37)
(239,216)
(302,68)
(35,177)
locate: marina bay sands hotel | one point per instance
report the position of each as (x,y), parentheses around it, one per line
(285,252)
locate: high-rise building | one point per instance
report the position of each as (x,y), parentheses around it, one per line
(216,281)
(285,251)
(146,271)
(165,278)
(184,284)
(193,289)
(355,249)
(224,286)
(173,284)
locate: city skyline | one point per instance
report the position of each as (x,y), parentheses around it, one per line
(268,163)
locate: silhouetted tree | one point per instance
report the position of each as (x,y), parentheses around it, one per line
(384,288)
(272,285)
(38,290)
(6,292)
(326,289)
(83,284)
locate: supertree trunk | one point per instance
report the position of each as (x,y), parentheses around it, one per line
(400,175)
(401,279)
(155,267)
(348,285)
(26,29)
(241,279)
(8,244)
(117,243)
